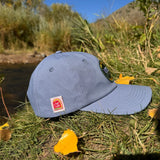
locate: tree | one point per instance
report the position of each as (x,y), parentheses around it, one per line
(62,11)
(32,4)
(46,12)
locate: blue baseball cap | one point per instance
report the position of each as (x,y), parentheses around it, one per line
(63,83)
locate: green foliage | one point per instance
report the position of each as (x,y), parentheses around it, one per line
(58,27)
(27,136)
(151,13)
(17,27)
(83,35)
(6,2)
(100,136)
(29,4)
(54,31)
(21,28)
(61,12)
(144,5)
(120,46)
(32,4)
(53,36)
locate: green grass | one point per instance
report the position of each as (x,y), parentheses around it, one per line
(100,136)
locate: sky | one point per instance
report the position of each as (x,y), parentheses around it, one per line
(92,9)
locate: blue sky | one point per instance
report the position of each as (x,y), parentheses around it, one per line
(92,9)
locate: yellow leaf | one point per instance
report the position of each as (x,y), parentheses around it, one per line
(67,143)
(124,80)
(154,113)
(6,125)
(5,134)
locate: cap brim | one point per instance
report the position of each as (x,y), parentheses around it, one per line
(123,100)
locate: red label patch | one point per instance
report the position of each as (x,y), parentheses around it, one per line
(57,104)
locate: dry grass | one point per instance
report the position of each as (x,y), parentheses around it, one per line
(100,136)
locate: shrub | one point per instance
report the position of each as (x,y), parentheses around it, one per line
(17,27)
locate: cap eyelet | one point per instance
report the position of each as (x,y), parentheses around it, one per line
(85,61)
(51,69)
(58,52)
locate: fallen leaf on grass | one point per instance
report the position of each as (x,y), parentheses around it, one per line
(67,143)
(6,125)
(150,70)
(5,134)
(124,80)
(154,113)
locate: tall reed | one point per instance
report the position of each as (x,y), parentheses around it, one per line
(53,36)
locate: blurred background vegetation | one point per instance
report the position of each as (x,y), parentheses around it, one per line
(128,42)
(32,25)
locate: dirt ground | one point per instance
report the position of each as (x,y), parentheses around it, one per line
(21,58)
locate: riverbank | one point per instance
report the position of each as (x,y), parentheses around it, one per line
(18,58)
(15,84)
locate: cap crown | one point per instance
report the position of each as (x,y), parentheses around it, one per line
(75,76)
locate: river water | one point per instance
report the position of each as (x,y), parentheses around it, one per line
(14,85)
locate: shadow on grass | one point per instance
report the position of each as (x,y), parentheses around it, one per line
(148,156)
